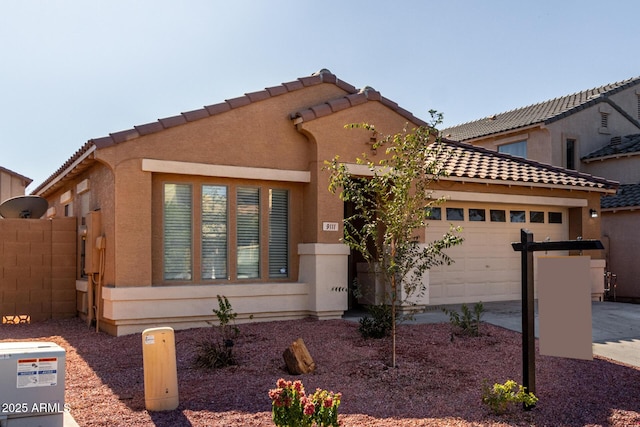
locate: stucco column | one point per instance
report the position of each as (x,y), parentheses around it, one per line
(132,224)
(324,266)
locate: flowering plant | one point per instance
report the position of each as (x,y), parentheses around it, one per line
(291,407)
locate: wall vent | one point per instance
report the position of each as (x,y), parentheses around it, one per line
(616,140)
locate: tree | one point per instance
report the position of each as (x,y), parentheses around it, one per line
(392,206)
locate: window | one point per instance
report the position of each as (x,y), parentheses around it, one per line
(477,215)
(214,232)
(434,213)
(278,233)
(177,232)
(517,216)
(497,215)
(536,217)
(248,233)
(222,231)
(555,217)
(515,149)
(570,154)
(455,214)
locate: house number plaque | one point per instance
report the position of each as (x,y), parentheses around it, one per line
(330,226)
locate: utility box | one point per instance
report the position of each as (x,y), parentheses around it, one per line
(32,384)
(160,371)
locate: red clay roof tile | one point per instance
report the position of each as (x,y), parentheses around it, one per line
(149,128)
(221,107)
(194,115)
(169,122)
(240,101)
(124,135)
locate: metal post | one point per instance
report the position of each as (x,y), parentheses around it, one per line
(528,315)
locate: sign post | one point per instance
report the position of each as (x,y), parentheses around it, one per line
(527,247)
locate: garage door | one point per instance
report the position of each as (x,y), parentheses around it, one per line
(486,267)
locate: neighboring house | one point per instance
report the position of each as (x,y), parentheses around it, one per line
(232,199)
(12,184)
(594,131)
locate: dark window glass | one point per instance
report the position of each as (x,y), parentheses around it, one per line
(278,233)
(455,214)
(517,216)
(515,149)
(571,153)
(477,215)
(555,217)
(497,215)
(536,217)
(434,213)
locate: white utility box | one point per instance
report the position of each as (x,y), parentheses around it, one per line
(32,384)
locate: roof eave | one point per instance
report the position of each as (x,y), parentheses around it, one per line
(529,184)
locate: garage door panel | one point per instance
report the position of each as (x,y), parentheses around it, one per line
(486,268)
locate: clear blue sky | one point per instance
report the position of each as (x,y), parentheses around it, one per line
(75,70)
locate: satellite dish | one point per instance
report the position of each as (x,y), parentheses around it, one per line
(24,207)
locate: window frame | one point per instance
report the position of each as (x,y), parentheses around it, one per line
(515,144)
(295,193)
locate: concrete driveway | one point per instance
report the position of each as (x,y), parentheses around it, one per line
(615,326)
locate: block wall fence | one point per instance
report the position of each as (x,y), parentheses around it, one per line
(37,269)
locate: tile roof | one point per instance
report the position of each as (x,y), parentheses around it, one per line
(351,100)
(353,97)
(544,112)
(618,147)
(469,162)
(628,196)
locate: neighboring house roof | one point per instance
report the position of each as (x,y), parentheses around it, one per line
(618,147)
(17,175)
(541,113)
(628,196)
(470,162)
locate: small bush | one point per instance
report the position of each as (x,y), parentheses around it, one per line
(214,354)
(502,397)
(467,323)
(377,323)
(218,353)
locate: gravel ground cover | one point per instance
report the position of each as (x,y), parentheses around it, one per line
(438,381)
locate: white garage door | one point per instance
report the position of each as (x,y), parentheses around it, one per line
(486,267)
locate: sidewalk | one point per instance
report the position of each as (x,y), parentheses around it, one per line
(615,326)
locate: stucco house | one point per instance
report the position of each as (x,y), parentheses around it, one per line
(12,184)
(593,131)
(232,199)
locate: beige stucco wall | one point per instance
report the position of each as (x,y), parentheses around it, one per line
(11,186)
(625,170)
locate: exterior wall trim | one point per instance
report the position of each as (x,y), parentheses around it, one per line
(223,171)
(526,184)
(462,196)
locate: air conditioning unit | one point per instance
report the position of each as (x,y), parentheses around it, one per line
(32,384)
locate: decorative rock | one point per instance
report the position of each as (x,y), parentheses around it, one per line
(298,359)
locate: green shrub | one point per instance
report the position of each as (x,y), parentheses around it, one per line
(377,323)
(218,353)
(466,323)
(502,397)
